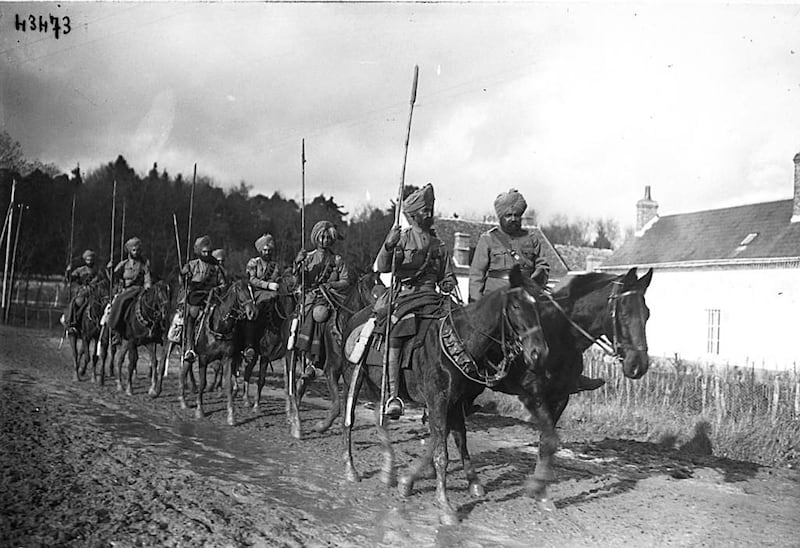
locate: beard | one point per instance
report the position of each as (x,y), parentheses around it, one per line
(425,222)
(510,227)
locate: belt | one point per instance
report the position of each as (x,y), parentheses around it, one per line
(503,274)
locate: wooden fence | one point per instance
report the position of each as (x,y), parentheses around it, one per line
(38,301)
(720,392)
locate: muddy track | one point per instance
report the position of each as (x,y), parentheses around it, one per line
(83,465)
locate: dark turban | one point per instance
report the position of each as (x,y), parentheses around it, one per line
(132,242)
(201,243)
(417,200)
(510,202)
(321,227)
(263,241)
(86,254)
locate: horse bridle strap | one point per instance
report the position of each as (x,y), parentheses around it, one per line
(614,298)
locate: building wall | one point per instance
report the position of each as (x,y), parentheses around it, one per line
(757,316)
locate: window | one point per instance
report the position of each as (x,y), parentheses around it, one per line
(712,345)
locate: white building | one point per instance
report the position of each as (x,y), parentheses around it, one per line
(726,283)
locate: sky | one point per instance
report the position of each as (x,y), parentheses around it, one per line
(577,105)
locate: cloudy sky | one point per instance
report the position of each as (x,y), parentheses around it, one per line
(578,105)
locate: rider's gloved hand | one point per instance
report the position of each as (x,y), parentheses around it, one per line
(392,239)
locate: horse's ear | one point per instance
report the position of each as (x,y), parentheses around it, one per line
(644,281)
(515,276)
(631,275)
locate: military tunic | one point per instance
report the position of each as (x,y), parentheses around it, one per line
(135,272)
(493,260)
(422,261)
(85,274)
(261,274)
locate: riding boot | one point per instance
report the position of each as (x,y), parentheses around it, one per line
(394,405)
(586,384)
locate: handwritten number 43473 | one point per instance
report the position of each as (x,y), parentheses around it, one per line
(58,25)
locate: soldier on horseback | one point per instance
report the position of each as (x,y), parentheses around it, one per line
(135,274)
(422,261)
(326,276)
(202,275)
(263,272)
(501,248)
(86,275)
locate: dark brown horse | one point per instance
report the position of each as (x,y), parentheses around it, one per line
(144,322)
(582,310)
(217,340)
(89,329)
(362,294)
(273,322)
(496,341)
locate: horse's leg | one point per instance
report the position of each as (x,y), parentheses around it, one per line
(357,379)
(161,366)
(84,355)
(263,362)
(333,371)
(227,381)
(202,365)
(437,421)
(73,344)
(292,413)
(117,359)
(387,475)
(459,431)
(543,474)
(248,372)
(186,367)
(133,359)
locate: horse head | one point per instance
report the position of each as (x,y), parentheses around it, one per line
(370,288)
(244,305)
(523,316)
(628,314)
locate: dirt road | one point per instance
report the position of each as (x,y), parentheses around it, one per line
(83,465)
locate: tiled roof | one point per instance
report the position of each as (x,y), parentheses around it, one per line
(715,235)
(446,229)
(576,256)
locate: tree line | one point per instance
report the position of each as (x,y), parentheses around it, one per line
(145,205)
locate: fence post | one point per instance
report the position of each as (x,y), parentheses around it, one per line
(796,394)
(703,388)
(776,397)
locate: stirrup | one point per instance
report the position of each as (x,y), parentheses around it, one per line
(310,372)
(394,408)
(189,356)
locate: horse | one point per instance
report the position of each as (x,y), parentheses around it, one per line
(496,342)
(367,289)
(89,330)
(582,309)
(144,322)
(275,321)
(217,340)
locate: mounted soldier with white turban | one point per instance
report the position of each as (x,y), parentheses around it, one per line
(422,261)
(499,249)
(135,275)
(263,273)
(325,275)
(85,275)
(201,275)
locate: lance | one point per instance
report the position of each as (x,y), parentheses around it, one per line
(301,305)
(71,237)
(10,217)
(186,278)
(122,230)
(180,265)
(14,259)
(397,210)
(111,256)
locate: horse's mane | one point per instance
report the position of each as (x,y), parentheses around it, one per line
(576,284)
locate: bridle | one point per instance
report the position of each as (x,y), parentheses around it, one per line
(510,342)
(235,312)
(612,347)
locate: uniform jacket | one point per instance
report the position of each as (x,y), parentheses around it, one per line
(261,272)
(493,257)
(204,274)
(85,274)
(135,272)
(422,259)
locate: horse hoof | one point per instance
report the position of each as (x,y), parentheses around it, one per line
(183,404)
(321,426)
(389,479)
(351,475)
(198,414)
(256,408)
(404,486)
(76,378)
(129,392)
(476,490)
(547,505)
(536,489)
(449,517)
(119,387)
(231,422)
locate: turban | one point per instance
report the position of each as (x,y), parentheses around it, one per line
(132,242)
(418,199)
(218,254)
(321,227)
(263,241)
(86,254)
(201,243)
(510,202)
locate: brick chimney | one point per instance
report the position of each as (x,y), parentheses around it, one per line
(796,205)
(647,209)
